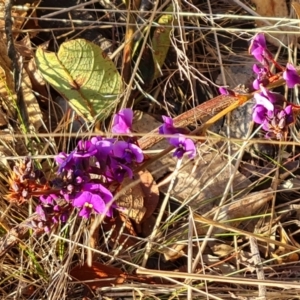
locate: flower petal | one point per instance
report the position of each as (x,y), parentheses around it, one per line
(97,188)
(81,198)
(291,76)
(98,204)
(190,148)
(183,145)
(122,121)
(128,152)
(259,114)
(289,115)
(85,212)
(258,47)
(263,101)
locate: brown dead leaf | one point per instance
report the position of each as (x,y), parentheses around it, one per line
(98,275)
(296,7)
(7,88)
(273,8)
(150,191)
(132,200)
(140,197)
(282,254)
(242,208)
(147,226)
(173,252)
(18,16)
(221,250)
(24,47)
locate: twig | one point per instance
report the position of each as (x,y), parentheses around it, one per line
(232,280)
(262,291)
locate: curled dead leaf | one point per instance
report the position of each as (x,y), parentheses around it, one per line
(98,275)
(139,198)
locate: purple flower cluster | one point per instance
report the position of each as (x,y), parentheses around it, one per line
(269,110)
(89,174)
(178,140)
(259,50)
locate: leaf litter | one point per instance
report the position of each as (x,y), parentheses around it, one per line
(200,185)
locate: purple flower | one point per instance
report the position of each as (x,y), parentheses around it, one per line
(168,127)
(118,171)
(268,98)
(258,48)
(259,114)
(291,76)
(122,121)
(84,149)
(287,114)
(49,199)
(103,149)
(225,91)
(275,121)
(94,198)
(41,212)
(52,213)
(89,202)
(78,158)
(276,124)
(183,145)
(65,161)
(264,106)
(262,77)
(128,151)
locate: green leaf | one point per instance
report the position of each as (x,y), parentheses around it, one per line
(84,75)
(161,40)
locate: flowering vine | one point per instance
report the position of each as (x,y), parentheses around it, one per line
(89,176)
(271,110)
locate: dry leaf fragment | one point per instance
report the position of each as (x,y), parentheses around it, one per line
(91,276)
(282,254)
(245,207)
(132,200)
(100,275)
(139,197)
(173,252)
(18,16)
(273,8)
(242,208)
(151,193)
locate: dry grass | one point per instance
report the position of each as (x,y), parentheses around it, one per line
(255,257)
